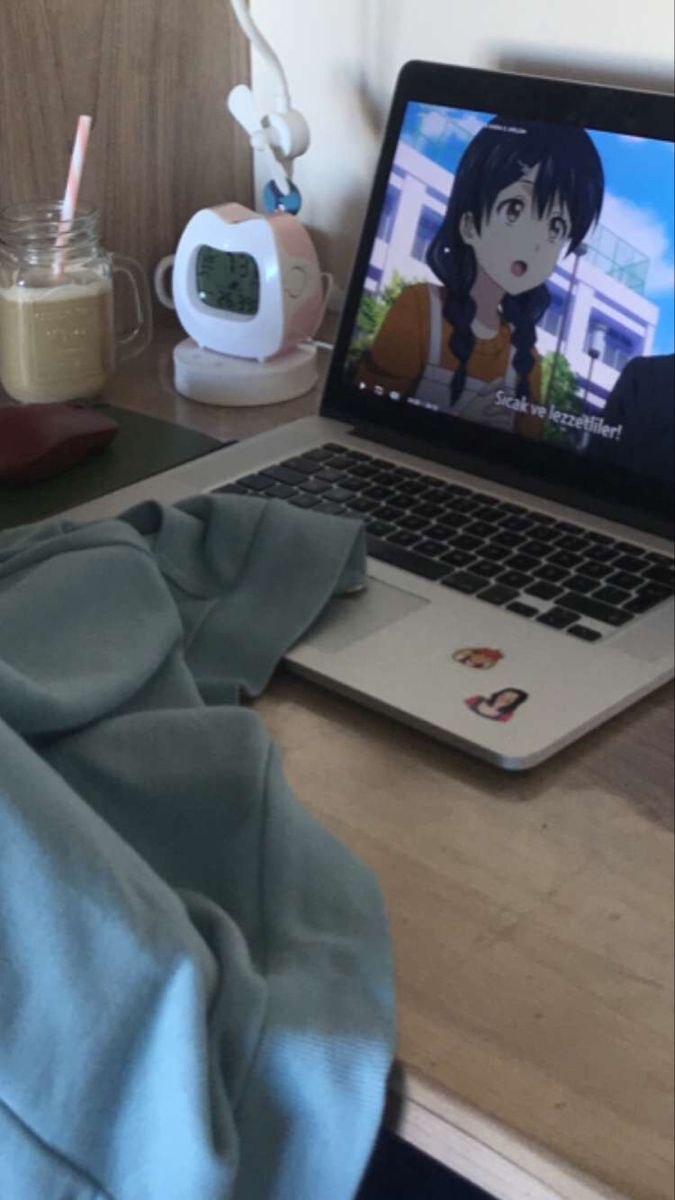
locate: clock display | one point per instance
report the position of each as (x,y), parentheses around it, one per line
(228,282)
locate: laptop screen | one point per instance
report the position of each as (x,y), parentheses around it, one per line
(514,292)
(522,278)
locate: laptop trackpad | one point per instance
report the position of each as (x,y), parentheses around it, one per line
(349,619)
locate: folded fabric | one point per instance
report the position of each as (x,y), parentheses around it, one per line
(195,977)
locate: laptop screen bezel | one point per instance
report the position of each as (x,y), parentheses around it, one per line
(543,470)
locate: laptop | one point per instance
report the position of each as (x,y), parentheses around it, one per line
(499,411)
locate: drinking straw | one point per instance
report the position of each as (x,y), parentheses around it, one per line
(69,204)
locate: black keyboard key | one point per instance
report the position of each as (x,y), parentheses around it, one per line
(445,531)
(362,471)
(331,510)
(633,565)
(379,529)
(565,527)
(498,554)
(408,560)
(575,545)
(315,487)
(652,595)
(517,524)
(602,552)
(487,513)
(584,634)
(414,523)
(552,574)
(511,541)
(543,518)
(488,570)
(281,491)
(558,618)
(521,562)
(629,583)
(283,475)
(612,595)
(543,591)
(344,462)
(522,610)
(304,466)
(629,548)
(329,475)
(379,493)
(588,606)
(463,505)
(431,549)
(362,505)
(659,560)
(661,575)
(596,570)
(536,550)
(391,514)
(304,501)
(319,455)
(464,542)
(499,595)
(480,529)
(582,584)
(230,489)
(403,537)
(514,579)
(564,558)
(599,539)
(465,582)
(257,483)
(458,558)
(338,495)
(430,511)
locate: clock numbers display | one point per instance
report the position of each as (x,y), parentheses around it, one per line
(227,281)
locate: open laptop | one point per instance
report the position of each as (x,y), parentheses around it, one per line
(499,411)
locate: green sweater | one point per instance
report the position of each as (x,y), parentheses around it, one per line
(195,977)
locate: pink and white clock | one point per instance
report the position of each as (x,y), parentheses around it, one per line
(248,289)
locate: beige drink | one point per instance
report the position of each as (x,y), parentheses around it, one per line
(56,341)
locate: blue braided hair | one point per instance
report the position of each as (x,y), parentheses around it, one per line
(570,173)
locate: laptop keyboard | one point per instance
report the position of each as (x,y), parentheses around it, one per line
(559,574)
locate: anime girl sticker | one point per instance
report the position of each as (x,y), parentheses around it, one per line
(501,707)
(525,194)
(480,658)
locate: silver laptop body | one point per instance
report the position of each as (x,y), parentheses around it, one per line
(449,636)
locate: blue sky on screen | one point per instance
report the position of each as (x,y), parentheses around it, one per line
(639,200)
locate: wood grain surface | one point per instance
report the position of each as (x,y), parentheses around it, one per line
(154,74)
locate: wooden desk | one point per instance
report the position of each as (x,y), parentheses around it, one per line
(532,916)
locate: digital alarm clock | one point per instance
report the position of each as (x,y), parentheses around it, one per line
(245,283)
(248,286)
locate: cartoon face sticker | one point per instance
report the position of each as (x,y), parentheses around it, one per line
(501,707)
(479,658)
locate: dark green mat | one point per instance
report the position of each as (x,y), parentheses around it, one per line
(143,447)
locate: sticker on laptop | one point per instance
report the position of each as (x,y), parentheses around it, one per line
(501,707)
(480,658)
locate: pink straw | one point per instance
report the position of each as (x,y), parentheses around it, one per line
(69,205)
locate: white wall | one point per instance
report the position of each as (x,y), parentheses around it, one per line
(342,58)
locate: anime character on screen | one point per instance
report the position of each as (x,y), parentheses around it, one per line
(525,193)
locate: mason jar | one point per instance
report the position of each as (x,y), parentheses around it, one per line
(58,339)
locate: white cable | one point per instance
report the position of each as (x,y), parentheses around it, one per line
(241,11)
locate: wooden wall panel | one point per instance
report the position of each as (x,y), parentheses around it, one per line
(154,74)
